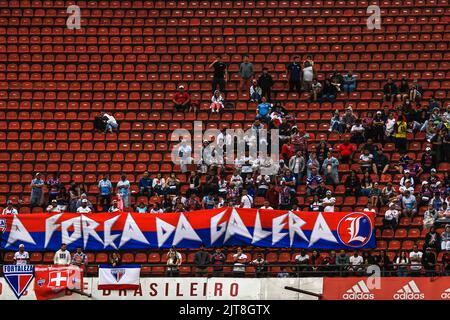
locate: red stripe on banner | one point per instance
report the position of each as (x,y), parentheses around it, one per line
(118,286)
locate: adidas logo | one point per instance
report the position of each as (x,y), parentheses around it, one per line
(358,292)
(410,291)
(446,294)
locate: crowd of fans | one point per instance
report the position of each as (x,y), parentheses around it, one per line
(358,162)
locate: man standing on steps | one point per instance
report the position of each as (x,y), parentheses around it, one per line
(294,75)
(265,81)
(246,72)
(220,74)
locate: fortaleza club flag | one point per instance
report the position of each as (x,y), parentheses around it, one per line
(18,277)
(216,227)
(52,281)
(119,278)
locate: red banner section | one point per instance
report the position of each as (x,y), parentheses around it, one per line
(52,281)
(386,288)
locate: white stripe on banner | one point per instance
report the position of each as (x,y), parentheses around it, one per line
(118,278)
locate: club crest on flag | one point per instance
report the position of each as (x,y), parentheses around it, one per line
(118,273)
(18,277)
(355,229)
(2,225)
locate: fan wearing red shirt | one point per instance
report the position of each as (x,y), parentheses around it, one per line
(287,151)
(346,151)
(181,99)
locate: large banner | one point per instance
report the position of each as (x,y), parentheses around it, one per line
(387,288)
(188,289)
(216,227)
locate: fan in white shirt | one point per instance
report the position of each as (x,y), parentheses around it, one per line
(21,257)
(266,206)
(356,261)
(62,256)
(9,209)
(246,200)
(328,202)
(84,207)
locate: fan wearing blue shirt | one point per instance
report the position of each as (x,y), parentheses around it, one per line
(263,110)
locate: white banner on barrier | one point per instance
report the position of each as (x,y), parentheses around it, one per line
(190,289)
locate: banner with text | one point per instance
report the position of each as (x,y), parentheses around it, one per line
(216,227)
(187,289)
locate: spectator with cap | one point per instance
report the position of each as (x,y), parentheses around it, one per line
(181,99)
(53,207)
(84,208)
(37,185)
(391,217)
(427,160)
(9,208)
(407,186)
(220,77)
(21,257)
(266,82)
(79,202)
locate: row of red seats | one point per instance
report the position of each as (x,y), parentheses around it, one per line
(220,4)
(206,31)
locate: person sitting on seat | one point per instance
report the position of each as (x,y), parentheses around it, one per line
(217,102)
